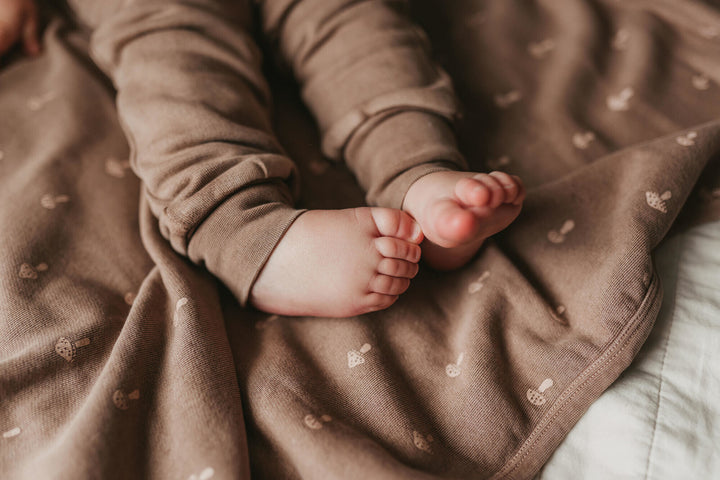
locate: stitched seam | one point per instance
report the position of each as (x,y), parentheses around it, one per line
(597,366)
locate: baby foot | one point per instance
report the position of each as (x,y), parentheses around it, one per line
(340,263)
(459,210)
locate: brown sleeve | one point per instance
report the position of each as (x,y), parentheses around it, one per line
(195,109)
(366,73)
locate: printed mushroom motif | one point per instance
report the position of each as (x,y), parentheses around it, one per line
(537,397)
(710,32)
(116,168)
(701,82)
(129,298)
(559,236)
(204,475)
(582,140)
(658,201)
(122,400)
(318,167)
(504,100)
(687,140)
(478,284)
(29,272)
(178,305)
(13,432)
(498,163)
(620,101)
(452,370)
(620,40)
(422,442)
(67,349)
(557,313)
(542,48)
(36,103)
(356,358)
(314,423)
(50,202)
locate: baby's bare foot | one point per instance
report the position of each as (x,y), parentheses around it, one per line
(340,263)
(459,210)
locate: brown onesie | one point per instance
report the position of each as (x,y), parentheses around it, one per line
(195,108)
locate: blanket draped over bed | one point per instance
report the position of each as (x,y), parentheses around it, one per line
(119,358)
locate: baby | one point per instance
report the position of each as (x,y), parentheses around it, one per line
(332,263)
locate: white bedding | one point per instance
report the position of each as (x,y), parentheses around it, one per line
(661,418)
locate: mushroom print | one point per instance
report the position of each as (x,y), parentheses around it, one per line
(478,284)
(356,358)
(122,400)
(620,101)
(204,475)
(687,140)
(710,32)
(129,298)
(620,40)
(557,313)
(542,48)
(50,202)
(559,236)
(452,370)
(67,349)
(36,103)
(498,163)
(178,305)
(658,201)
(701,82)
(29,272)
(116,168)
(13,432)
(422,442)
(318,167)
(314,423)
(582,140)
(537,397)
(504,100)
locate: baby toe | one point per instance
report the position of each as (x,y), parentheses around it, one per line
(520,197)
(387,285)
(396,223)
(397,268)
(472,192)
(497,193)
(391,247)
(509,184)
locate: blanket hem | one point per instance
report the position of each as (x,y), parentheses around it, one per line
(649,308)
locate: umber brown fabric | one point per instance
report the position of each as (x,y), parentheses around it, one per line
(122,358)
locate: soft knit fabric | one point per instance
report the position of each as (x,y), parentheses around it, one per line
(195,108)
(121,357)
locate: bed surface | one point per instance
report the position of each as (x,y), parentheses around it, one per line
(119,358)
(660,418)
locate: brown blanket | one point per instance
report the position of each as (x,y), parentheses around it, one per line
(120,358)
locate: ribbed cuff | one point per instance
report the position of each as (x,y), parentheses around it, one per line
(236,240)
(390,154)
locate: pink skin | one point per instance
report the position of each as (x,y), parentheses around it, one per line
(19,23)
(459,210)
(340,263)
